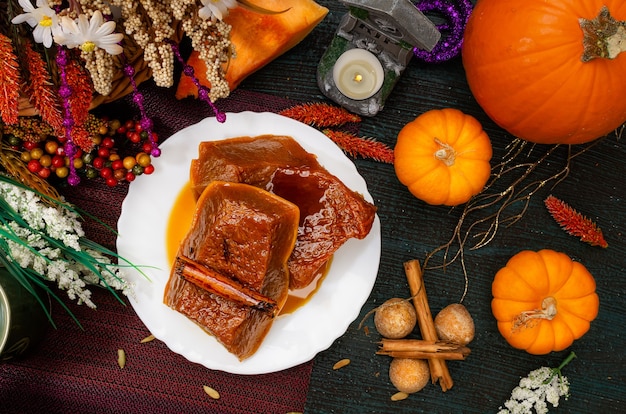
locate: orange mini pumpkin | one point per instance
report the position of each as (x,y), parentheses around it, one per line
(543,301)
(443,156)
(549,72)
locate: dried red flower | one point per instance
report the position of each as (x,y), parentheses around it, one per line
(79,80)
(365,147)
(575,223)
(9,82)
(320,115)
(40,90)
(81,137)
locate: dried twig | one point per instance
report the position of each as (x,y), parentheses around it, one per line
(484,215)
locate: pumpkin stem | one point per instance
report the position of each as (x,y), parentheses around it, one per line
(603,37)
(527,319)
(446,153)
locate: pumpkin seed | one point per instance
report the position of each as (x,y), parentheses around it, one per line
(341,363)
(121,358)
(399,396)
(211,392)
(147,339)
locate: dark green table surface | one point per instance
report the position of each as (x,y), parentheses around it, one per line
(411,229)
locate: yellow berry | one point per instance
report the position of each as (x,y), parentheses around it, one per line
(62,172)
(143,159)
(36,153)
(129,162)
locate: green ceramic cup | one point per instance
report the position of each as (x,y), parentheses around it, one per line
(23,322)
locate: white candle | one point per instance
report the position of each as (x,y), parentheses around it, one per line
(358,74)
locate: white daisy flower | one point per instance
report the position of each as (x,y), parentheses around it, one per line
(216,9)
(88,34)
(42,18)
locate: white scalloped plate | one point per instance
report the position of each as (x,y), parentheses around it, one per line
(294,338)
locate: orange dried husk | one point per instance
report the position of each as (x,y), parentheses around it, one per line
(257,39)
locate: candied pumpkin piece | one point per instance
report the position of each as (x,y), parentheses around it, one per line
(330,214)
(245,234)
(250,160)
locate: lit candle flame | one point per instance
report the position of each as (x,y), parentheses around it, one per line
(357,77)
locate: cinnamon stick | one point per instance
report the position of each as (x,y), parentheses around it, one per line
(438,367)
(208,279)
(422,349)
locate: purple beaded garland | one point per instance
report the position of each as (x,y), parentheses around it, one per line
(456,14)
(203,91)
(65,91)
(145,122)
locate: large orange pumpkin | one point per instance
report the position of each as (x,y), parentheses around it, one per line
(443,156)
(528,68)
(543,301)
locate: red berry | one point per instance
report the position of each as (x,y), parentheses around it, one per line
(111,182)
(58,161)
(106,172)
(107,142)
(148,169)
(98,162)
(117,164)
(34,166)
(130,176)
(134,137)
(103,152)
(44,173)
(30,145)
(121,130)
(146,147)
(79,153)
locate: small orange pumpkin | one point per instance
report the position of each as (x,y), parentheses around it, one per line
(443,156)
(543,301)
(549,72)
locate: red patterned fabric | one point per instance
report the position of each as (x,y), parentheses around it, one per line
(75,370)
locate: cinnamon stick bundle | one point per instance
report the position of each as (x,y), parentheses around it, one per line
(438,367)
(422,349)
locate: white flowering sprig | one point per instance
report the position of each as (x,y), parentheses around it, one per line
(83,32)
(88,34)
(541,386)
(44,243)
(216,9)
(41,18)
